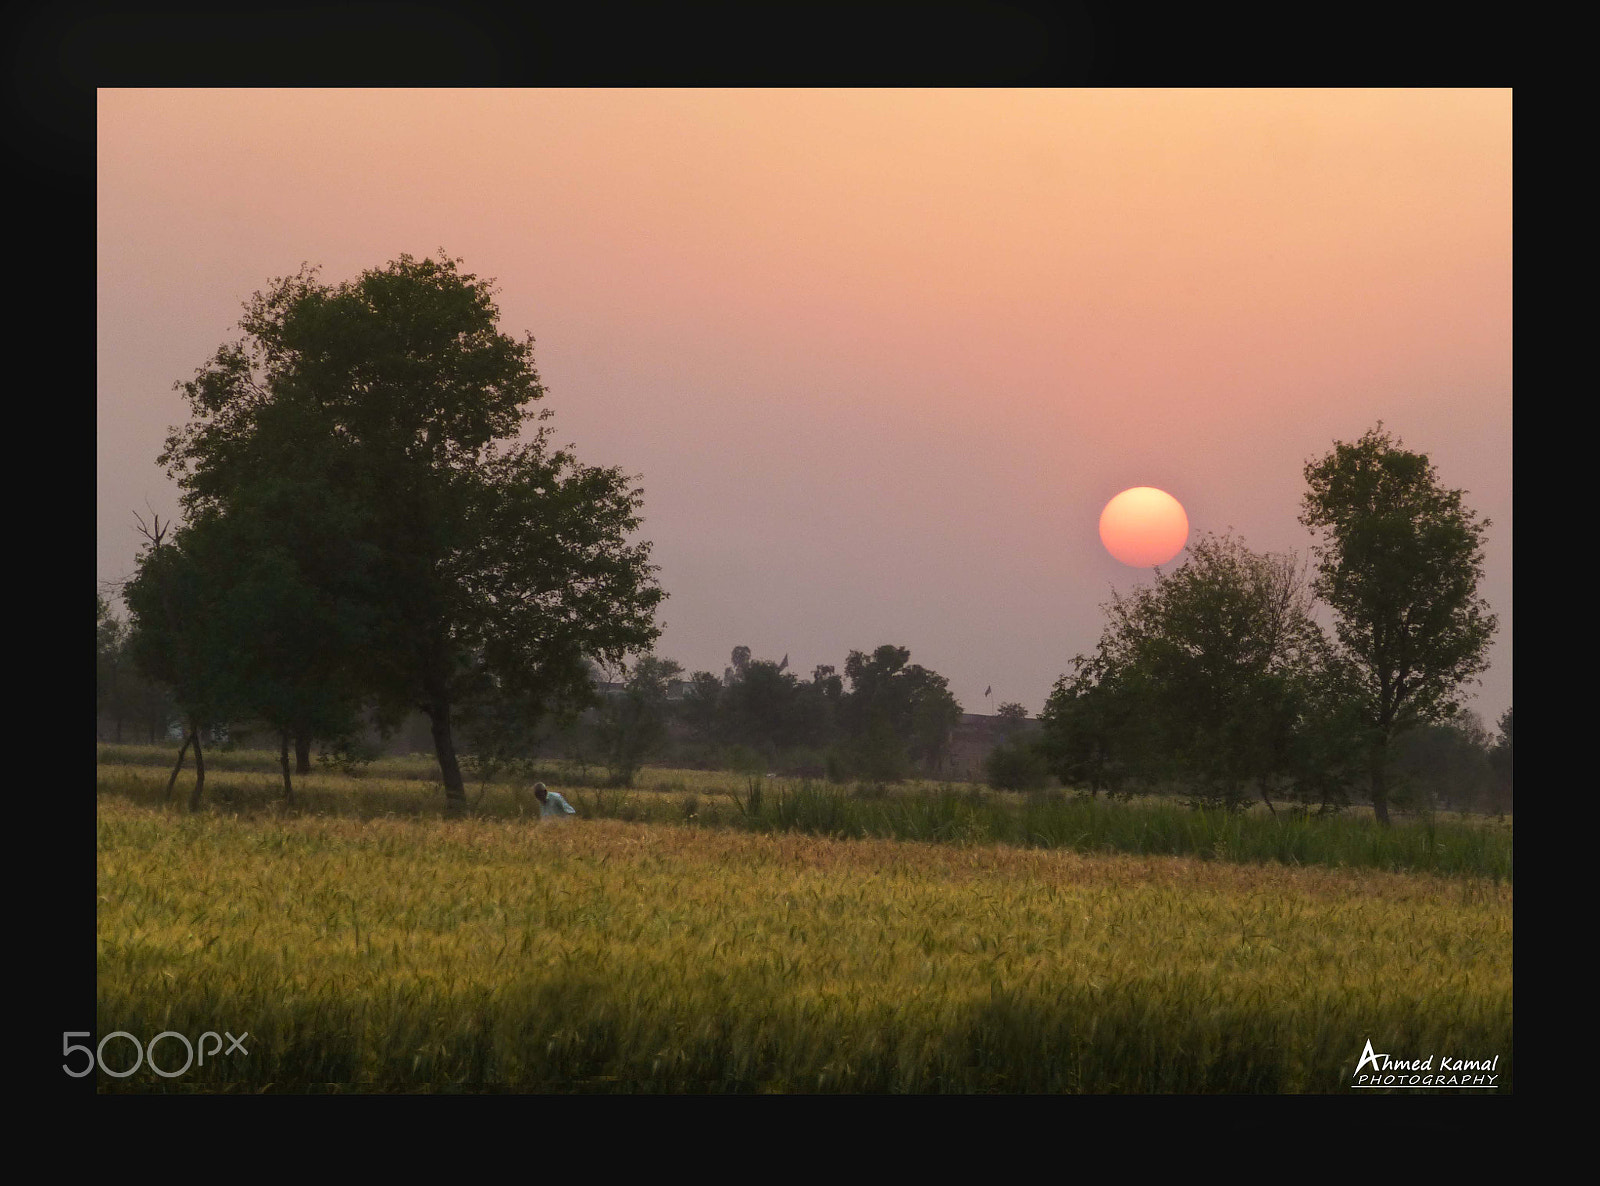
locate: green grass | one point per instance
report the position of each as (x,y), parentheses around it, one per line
(249,781)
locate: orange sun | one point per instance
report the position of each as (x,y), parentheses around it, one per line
(1144,526)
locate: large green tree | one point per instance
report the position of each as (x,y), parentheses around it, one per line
(1399,559)
(483,558)
(1198,678)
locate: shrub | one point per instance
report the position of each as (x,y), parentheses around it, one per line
(1016,765)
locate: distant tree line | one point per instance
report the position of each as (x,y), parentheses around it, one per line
(883,720)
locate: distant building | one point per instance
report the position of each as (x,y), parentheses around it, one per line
(972,740)
(676,688)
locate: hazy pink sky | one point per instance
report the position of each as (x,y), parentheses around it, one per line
(879,357)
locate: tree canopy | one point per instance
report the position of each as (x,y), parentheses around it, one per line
(478,559)
(896,712)
(634,724)
(1198,677)
(1399,559)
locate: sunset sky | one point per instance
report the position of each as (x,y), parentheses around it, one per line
(879,358)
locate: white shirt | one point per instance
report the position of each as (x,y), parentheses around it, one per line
(555,805)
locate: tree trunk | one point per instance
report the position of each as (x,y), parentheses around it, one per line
(199,773)
(1380,790)
(455,791)
(182,753)
(283,758)
(302,752)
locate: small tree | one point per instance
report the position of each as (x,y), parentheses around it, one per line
(702,708)
(174,637)
(896,713)
(633,726)
(1088,726)
(1399,560)
(758,710)
(222,608)
(1011,717)
(110,642)
(1017,764)
(1500,763)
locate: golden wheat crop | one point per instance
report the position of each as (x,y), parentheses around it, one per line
(392,954)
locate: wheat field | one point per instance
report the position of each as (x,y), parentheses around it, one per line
(420,954)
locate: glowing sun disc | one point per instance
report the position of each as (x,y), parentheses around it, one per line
(1144,526)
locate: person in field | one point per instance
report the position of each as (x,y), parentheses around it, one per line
(551,804)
